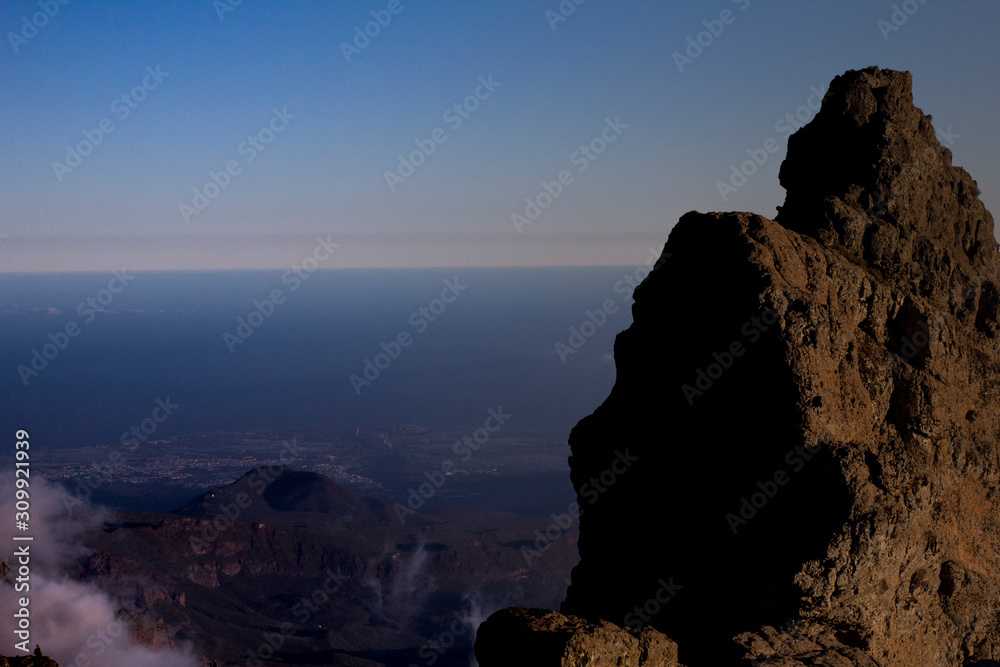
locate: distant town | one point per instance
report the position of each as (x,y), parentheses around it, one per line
(372,462)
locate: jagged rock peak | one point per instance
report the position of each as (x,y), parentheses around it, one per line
(814,404)
(869,176)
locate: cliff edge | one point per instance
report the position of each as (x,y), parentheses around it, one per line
(813,403)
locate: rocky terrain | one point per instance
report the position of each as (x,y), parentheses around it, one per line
(286,567)
(812,404)
(37,660)
(551,638)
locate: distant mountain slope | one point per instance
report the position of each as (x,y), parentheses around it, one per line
(287,567)
(284,490)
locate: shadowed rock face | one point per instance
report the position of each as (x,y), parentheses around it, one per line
(551,638)
(36,660)
(868,177)
(812,406)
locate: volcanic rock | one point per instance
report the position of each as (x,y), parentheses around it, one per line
(813,403)
(36,660)
(256,557)
(542,636)
(285,490)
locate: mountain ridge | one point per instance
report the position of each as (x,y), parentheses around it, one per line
(284,491)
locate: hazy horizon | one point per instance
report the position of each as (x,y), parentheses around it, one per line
(201,135)
(318,338)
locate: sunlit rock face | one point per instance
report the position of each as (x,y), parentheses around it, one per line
(810,408)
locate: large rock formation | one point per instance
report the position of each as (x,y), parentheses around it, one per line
(813,404)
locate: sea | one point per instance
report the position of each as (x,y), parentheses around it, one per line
(86,356)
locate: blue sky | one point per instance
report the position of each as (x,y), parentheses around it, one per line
(224,75)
